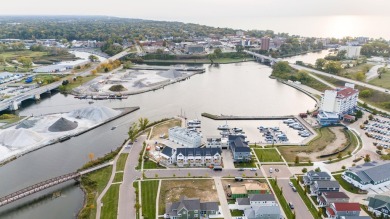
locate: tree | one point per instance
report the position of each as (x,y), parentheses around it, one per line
(343,167)
(93,58)
(339,155)
(367,158)
(320,63)
(26,61)
(359,114)
(360,76)
(281,191)
(320,212)
(304,170)
(218,52)
(212,57)
(239,48)
(91,156)
(143,123)
(296,160)
(365,93)
(370,117)
(317,169)
(94,72)
(333,67)
(133,132)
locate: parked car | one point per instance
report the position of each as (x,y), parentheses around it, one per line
(241,169)
(271,170)
(291,205)
(294,189)
(253,169)
(291,184)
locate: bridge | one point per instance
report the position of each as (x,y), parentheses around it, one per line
(262,58)
(14,102)
(46,184)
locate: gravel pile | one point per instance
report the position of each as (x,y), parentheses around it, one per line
(63,125)
(94,113)
(171,74)
(19,138)
(26,124)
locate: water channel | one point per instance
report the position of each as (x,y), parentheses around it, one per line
(230,89)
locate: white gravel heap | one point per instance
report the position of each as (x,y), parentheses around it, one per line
(94,113)
(19,138)
(171,74)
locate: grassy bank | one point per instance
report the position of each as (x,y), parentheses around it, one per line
(110,203)
(75,83)
(148,196)
(121,162)
(8,119)
(93,184)
(347,186)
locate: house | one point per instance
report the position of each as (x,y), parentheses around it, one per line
(255,200)
(185,137)
(312,176)
(195,49)
(337,210)
(319,187)
(326,198)
(263,212)
(369,175)
(379,204)
(240,149)
(216,142)
(198,157)
(168,156)
(190,208)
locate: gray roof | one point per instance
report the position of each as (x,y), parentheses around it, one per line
(355,217)
(379,201)
(198,151)
(261,210)
(190,204)
(372,171)
(243,201)
(209,206)
(335,195)
(167,151)
(313,173)
(262,197)
(328,184)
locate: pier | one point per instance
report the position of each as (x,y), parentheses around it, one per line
(231,117)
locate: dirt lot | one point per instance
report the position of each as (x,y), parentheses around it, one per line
(172,190)
(329,142)
(160,129)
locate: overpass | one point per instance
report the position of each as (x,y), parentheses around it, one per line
(47,184)
(262,58)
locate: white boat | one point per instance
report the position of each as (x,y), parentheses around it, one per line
(223,127)
(194,121)
(193,125)
(288,121)
(224,133)
(235,129)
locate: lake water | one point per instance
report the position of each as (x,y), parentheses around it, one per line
(231,89)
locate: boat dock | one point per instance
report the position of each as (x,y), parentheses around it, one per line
(231,117)
(165,68)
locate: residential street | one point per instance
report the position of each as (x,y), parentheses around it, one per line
(126,201)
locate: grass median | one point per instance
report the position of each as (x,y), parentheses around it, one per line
(282,200)
(148,196)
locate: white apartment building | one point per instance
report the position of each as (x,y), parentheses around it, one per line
(353,52)
(340,100)
(185,137)
(217,142)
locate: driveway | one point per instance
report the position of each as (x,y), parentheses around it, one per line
(126,201)
(227,159)
(299,206)
(222,198)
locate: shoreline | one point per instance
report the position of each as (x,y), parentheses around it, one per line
(126,110)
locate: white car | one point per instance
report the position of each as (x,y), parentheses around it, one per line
(291,184)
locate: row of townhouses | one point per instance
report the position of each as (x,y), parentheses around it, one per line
(191,157)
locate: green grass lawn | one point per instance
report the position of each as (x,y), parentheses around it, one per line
(352,72)
(237,213)
(120,164)
(110,203)
(93,184)
(384,81)
(118,177)
(73,84)
(148,196)
(306,200)
(347,186)
(268,155)
(282,200)
(152,165)
(251,164)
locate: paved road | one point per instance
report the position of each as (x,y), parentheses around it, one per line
(300,208)
(126,201)
(298,67)
(373,73)
(222,198)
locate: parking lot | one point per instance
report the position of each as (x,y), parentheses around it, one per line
(379,130)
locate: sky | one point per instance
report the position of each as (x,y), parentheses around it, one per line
(245,14)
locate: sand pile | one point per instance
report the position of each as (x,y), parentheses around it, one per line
(94,113)
(26,124)
(63,125)
(19,138)
(171,74)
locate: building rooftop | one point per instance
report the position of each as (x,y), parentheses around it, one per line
(313,173)
(346,206)
(372,171)
(262,197)
(334,195)
(328,184)
(198,151)
(346,92)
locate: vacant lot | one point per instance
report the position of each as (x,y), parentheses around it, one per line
(352,72)
(268,155)
(162,128)
(384,81)
(172,190)
(148,196)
